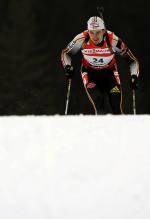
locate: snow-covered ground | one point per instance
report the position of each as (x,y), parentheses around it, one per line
(75,167)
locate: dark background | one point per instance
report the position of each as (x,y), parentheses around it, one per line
(32,35)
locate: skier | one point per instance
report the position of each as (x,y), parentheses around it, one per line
(99,69)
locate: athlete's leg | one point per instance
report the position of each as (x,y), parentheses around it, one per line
(94,95)
(114,92)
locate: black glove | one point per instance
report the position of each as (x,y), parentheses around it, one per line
(69,71)
(134,82)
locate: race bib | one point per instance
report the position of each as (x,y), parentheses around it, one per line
(98,61)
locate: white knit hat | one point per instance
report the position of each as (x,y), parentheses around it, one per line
(95,23)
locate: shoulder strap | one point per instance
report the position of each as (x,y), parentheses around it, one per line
(87,38)
(86,35)
(108,42)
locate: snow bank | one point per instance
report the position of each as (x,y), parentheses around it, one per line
(75,167)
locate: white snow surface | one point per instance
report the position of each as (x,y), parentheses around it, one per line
(75,167)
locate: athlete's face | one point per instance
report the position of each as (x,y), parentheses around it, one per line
(96,36)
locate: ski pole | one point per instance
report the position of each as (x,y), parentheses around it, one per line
(134,102)
(68,95)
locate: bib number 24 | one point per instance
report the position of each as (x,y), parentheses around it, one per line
(96,60)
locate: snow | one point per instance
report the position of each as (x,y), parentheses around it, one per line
(75,167)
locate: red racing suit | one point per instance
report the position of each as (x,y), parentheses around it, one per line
(100,58)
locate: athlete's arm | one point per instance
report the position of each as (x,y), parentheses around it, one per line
(120,47)
(73,47)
